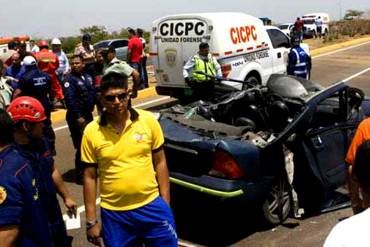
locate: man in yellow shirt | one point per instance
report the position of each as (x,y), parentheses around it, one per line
(124,146)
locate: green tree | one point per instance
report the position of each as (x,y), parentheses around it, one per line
(353,14)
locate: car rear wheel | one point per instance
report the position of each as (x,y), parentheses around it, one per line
(250,81)
(277,205)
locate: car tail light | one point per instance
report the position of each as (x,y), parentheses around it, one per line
(225,166)
(226,69)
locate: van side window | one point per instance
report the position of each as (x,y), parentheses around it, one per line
(119,43)
(278,38)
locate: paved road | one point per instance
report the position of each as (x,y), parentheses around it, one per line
(212,223)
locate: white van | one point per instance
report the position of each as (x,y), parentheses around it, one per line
(309,27)
(245,48)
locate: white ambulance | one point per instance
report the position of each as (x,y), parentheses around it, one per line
(246,49)
(309,26)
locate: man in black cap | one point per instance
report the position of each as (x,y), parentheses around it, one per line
(204,63)
(86,50)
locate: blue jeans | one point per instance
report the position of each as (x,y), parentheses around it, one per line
(152,225)
(139,68)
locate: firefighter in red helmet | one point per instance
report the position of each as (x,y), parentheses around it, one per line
(28,116)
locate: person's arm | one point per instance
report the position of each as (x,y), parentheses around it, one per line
(217,67)
(8,235)
(89,191)
(68,67)
(129,49)
(63,192)
(17,93)
(160,166)
(187,71)
(136,82)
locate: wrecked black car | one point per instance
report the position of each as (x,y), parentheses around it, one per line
(281,146)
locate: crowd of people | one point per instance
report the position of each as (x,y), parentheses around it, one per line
(134,182)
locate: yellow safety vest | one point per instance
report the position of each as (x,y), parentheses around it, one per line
(206,67)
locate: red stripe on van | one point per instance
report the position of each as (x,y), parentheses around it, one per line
(259,46)
(216,54)
(239,50)
(228,53)
(153,54)
(250,48)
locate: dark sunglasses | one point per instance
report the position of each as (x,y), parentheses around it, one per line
(111,98)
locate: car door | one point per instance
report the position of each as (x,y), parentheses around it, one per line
(121,48)
(281,45)
(327,139)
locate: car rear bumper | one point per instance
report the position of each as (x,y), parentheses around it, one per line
(219,187)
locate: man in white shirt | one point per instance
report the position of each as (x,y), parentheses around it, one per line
(354,231)
(64,68)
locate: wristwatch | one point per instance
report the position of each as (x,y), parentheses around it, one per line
(90,224)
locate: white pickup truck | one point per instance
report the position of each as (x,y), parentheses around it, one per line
(245,48)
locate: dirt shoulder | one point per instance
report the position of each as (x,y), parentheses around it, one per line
(316,43)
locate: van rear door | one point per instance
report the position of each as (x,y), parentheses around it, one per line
(177,40)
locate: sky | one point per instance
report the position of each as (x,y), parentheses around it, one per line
(57,18)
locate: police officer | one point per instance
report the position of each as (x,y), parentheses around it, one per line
(202,85)
(37,84)
(23,221)
(111,59)
(28,116)
(299,61)
(80,101)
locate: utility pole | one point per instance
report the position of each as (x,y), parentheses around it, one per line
(340,9)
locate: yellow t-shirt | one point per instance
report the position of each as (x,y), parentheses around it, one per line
(125,166)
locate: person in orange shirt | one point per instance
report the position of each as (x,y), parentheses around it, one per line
(48,62)
(362,134)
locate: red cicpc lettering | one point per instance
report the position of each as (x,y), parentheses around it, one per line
(243,34)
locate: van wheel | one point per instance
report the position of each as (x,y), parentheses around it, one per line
(277,205)
(250,82)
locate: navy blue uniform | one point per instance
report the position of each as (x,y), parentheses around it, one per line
(80,98)
(298,63)
(42,162)
(37,84)
(20,202)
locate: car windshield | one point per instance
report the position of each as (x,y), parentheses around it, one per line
(102,44)
(283,26)
(310,21)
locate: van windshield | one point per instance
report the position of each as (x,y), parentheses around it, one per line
(283,26)
(310,21)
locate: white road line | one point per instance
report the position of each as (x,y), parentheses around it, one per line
(339,50)
(162,98)
(357,74)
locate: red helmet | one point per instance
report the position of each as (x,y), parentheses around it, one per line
(43,43)
(26,108)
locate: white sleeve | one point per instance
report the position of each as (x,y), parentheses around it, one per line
(217,67)
(68,67)
(336,237)
(188,68)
